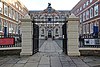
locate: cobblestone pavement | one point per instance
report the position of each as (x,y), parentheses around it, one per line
(50,55)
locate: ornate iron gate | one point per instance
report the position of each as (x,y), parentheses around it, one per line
(64,32)
(35,38)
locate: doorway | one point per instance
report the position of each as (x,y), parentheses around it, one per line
(49,34)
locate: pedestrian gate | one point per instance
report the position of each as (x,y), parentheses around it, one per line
(35,38)
(64,32)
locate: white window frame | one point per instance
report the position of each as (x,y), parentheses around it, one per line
(84,5)
(81,18)
(87,3)
(10,12)
(91,1)
(5,10)
(96,10)
(1,7)
(1,24)
(84,16)
(83,28)
(10,28)
(80,8)
(91,12)
(87,14)
(91,27)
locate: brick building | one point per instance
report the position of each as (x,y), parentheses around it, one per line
(10,13)
(89,13)
(50,22)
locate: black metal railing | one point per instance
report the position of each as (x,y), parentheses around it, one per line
(16,41)
(89,41)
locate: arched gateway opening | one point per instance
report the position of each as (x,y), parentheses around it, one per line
(49,24)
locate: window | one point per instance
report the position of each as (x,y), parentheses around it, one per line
(6,25)
(42,31)
(10,12)
(87,28)
(19,16)
(13,14)
(0,25)
(17,5)
(13,3)
(81,18)
(91,1)
(10,28)
(80,8)
(6,10)
(95,10)
(49,20)
(84,5)
(13,27)
(16,16)
(1,7)
(16,29)
(91,27)
(87,3)
(91,12)
(87,14)
(20,8)
(83,29)
(84,16)
(77,10)
(56,31)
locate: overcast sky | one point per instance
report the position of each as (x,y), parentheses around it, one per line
(56,4)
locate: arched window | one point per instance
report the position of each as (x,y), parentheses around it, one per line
(56,31)
(0,24)
(42,31)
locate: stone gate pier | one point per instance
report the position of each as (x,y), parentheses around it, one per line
(26,29)
(73,35)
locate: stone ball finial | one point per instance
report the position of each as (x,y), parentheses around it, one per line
(27,16)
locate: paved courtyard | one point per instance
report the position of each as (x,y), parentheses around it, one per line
(50,55)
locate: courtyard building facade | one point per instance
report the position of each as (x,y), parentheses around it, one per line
(50,21)
(11,11)
(89,13)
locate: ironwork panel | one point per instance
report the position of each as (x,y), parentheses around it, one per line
(64,32)
(35,38)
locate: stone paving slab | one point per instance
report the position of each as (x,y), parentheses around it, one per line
(7,65)
(55,62)
(33,59)
(22,61)
(41,65)
(31,65)
(63,59)
(45,60)
(50,55)
(18,65)
(12,61)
